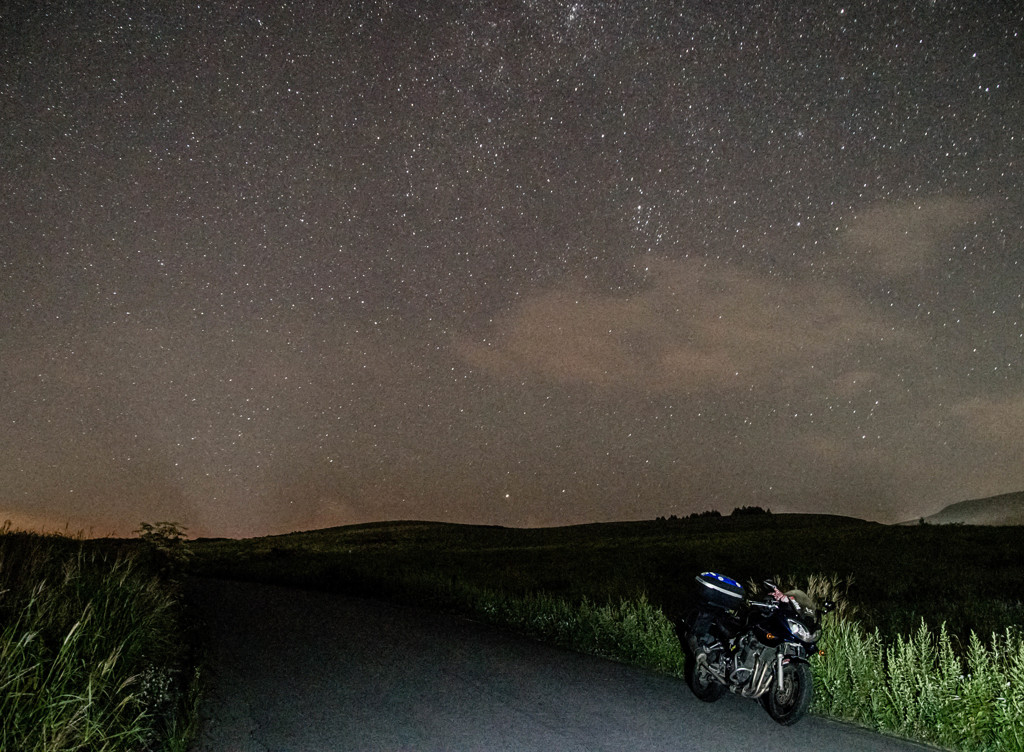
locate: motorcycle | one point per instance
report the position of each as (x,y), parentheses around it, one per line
(754,648)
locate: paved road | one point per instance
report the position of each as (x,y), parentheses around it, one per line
(295,671)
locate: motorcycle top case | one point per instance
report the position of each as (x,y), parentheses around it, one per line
(720,591)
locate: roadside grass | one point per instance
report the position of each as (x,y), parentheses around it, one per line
(632,631)
(91,650)
(923,687)
(616,590)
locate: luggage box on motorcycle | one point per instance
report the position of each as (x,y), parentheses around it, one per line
(720,591)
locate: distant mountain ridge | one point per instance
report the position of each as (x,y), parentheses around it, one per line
(1005,509)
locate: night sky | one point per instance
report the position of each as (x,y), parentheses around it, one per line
(275,266)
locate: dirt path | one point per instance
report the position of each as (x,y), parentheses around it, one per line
(295,671)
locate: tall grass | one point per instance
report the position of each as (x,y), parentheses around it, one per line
(924,685)
(89,648)
(921,686)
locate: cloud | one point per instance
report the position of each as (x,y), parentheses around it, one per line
(699,325)
(899,239)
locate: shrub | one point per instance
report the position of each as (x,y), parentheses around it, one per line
(164,545)
(746,511)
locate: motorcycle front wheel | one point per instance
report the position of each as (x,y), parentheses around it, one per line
(788,705)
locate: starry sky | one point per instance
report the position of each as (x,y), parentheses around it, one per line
(272,266)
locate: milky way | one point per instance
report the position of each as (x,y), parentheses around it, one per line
(275,266)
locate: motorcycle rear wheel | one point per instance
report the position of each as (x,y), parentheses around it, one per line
(791,703)
(703,686)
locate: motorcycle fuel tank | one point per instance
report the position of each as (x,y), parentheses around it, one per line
(720,591)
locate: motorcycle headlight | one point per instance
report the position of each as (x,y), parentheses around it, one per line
(802,632)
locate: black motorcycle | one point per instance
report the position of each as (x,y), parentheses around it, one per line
(754,648)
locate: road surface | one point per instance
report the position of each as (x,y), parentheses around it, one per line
(298,671)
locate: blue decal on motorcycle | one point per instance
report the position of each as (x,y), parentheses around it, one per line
(722,578)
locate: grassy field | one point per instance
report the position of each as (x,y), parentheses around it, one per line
(967,577)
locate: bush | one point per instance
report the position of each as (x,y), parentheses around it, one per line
(746,511)
(164,546)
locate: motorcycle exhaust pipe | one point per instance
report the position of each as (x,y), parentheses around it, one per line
(760,679)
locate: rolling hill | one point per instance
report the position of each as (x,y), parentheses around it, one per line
(1005,509)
